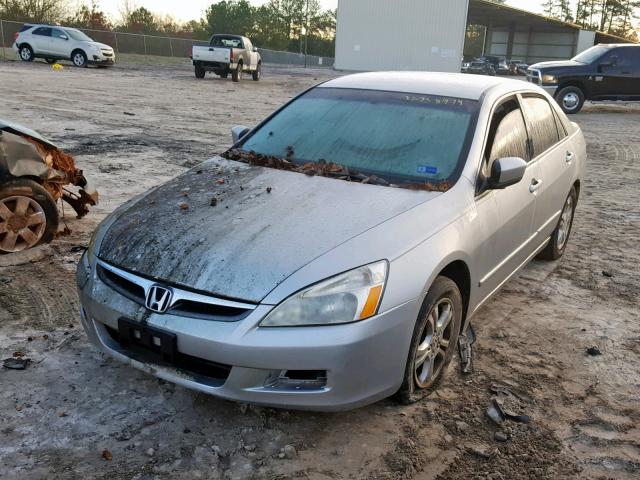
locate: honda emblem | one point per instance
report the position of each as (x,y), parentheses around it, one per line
(159,299)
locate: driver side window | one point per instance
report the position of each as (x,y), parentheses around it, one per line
(507,137)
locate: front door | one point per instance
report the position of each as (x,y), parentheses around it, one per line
(506,216)
(60,43)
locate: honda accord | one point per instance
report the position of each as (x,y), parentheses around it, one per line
(335,255)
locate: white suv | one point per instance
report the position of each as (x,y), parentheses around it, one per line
(55,43)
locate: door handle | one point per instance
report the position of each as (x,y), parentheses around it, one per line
(570,156)
(535,185)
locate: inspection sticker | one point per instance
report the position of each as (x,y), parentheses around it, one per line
(427,170)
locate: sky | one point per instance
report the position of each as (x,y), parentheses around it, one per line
(193,9)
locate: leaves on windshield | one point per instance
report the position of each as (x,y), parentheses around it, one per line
(322,168)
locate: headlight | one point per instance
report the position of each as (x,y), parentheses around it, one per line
(549,79)
(345,298)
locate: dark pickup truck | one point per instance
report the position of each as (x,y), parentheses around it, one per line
(601,73)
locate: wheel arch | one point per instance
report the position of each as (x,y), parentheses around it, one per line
(458,272)
(573,83)
(78,49)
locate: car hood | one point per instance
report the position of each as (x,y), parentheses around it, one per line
(556,64)
(99,45)
(238,231)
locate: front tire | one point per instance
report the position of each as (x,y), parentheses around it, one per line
(434,341)
(26,53)
(257,73)
(560,236)
(79,59)
(570,99)
(200,71)
(28,216)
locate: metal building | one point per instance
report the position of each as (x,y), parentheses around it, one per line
(400,34)
(430,34)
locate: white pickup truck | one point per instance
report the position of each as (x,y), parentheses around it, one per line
(227,54)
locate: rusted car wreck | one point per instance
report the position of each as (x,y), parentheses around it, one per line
(34,175)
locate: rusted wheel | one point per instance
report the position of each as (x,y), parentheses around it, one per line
(28,216)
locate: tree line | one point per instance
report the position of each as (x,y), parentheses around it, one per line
(291,25)
(616,17)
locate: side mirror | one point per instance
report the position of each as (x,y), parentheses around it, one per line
(238,132)
(506,172)
(64,37)
(255,49)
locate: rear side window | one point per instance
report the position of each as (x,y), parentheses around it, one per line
(43,31)
(627,57)
(543,128)
(24,28)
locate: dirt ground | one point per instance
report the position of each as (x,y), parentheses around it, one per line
(74,413)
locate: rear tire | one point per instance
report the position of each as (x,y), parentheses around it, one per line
(79,59)
(560,236)
(200,71)
(30,216)
(434,341)
(26,53)
(224,75)
(236,75)
(570,99)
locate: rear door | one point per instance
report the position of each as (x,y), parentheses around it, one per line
(41,40)
(616,74)
(553,153)
(634,55)
(506,215)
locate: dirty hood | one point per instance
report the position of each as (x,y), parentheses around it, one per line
(237,231)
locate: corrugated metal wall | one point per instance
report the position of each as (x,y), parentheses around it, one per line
(400,34)
(533,47)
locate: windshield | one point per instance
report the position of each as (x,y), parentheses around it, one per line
(403,138)
(78,35)
(590,55)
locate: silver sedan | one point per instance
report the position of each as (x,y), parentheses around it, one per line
(337,253)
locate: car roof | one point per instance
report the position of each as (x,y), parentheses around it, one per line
(618,45)
(460,85)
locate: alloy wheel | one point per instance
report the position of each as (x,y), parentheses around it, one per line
(435,340)
(22,223)
(78,60)
(565,223)
(25,54)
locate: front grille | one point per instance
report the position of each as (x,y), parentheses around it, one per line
(121,285)
(185,303)
(203,371)
(533,76)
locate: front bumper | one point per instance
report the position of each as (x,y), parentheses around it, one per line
(362,362)
(101,59)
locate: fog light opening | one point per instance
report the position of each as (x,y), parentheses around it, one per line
(297,380)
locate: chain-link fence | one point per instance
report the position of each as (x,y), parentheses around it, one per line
(135,48)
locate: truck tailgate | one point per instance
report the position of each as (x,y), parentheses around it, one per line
(211,54)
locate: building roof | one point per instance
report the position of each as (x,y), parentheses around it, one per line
(485,12)
(458,85)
